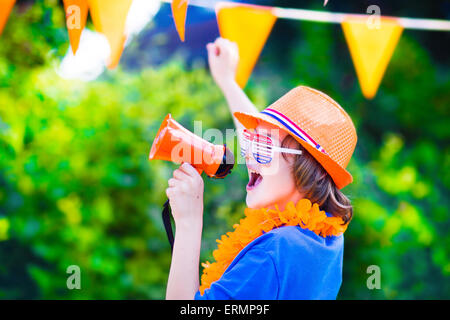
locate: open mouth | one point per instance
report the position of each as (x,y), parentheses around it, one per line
(254,181)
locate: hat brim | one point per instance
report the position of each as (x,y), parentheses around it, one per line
(340,176)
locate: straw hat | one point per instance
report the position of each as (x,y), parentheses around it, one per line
(318,123)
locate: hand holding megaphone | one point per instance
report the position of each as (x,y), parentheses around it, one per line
(175,143)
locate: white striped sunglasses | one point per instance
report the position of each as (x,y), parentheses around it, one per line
(261,147)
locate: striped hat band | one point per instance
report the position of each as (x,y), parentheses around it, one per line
(292,127)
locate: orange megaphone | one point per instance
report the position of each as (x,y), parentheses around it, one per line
(175,143)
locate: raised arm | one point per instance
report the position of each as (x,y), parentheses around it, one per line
(223,59)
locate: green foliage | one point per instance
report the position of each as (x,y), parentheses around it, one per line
(76,186)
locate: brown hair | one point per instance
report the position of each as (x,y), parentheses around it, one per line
(316,184)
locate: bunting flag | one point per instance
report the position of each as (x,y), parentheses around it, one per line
(5,9)
(371,43)
(76,16)
(249,26)
(109,17)
(371,48)
(179,10)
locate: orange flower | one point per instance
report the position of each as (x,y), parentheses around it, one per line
(303,205)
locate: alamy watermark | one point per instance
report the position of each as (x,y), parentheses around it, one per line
(187,147)
(373,21)
(74,280)
(73,17)
(374,280)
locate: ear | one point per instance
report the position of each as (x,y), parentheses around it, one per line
(289,142)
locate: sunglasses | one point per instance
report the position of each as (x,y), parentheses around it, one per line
(261,147)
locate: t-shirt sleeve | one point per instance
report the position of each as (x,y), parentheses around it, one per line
(252,277)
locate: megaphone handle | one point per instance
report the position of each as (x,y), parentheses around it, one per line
(167,223)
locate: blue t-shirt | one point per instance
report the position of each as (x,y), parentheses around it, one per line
(287,263)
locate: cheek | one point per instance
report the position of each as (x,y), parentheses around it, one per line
(278,185)
(278,177)
(278,167)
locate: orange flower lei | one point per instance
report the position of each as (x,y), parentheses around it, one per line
(257,221)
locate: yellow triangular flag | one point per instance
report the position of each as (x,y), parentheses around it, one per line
(76,16)
(5,9)
(371,48)
(249,26)
(109,17)
(179,10)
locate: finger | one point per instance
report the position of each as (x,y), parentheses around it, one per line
(185,187)
(193,173)
(170,192)
(230,47)
(222,41)
(210,46)
(189,169)
(212,51)
(235,48)
(226,43)
(180,188)
(172,182)
(180,174)
(222,47)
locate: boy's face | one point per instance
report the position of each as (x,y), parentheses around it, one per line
(271,183)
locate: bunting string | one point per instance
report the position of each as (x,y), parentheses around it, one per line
(371,38)
(332,17)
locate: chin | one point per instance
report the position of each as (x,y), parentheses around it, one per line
(250,203)
(253,202)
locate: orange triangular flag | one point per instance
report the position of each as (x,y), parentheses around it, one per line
(76,16)
(371,48)
(179,10)
(249,26)
(5,9)
(109,17)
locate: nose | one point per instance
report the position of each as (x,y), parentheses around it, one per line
(245,154)
(245,149)
(250,159)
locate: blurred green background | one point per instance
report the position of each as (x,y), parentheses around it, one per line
(76,186)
